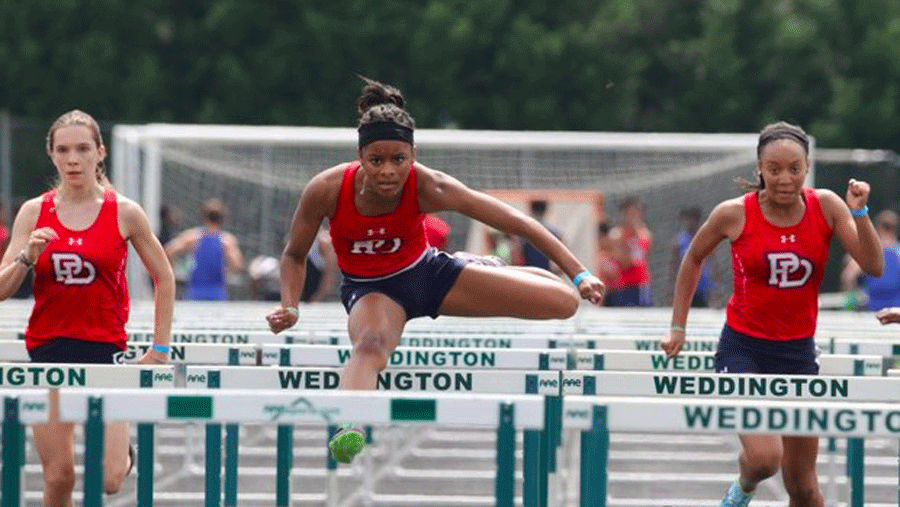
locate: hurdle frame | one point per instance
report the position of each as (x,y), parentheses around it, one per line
(509,414)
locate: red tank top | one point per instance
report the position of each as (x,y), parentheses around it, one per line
(80,290)
(777,273)
(371,247)
(638,272)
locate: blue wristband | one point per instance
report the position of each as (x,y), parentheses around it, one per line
(158,347)
(860,212)
(580,276)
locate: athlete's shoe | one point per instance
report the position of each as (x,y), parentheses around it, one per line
(736,497)
(482,260)
(346,444)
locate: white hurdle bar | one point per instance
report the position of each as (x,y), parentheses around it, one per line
(631,360)
(413,357)
(506,413)
(469,358)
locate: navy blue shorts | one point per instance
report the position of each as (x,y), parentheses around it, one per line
(739,353)
(420,290)
(71,350)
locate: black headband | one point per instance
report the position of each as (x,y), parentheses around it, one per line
(384,130)
(782,133)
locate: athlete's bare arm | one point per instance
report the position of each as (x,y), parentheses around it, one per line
(441,192)
(22,240)
(135,227)
(318,200)
(234,259)
(857,235)
(183,243)
(726,221)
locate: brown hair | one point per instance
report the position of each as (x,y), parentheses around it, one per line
(381,102)
(73,118)
(214,210)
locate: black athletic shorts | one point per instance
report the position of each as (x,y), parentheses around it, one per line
(739,353)
(420,290)
(72,350)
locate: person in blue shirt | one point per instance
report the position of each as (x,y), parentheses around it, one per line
(709,274)
(531,256)
(882,291)
(214,251)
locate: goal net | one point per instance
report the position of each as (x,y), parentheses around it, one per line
(259,172)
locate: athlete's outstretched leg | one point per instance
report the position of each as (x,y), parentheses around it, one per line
(483,291)
(375,324)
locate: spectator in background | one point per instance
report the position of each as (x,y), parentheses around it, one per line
(169,222)
(321,269)
(607,267)
(531,256)
(265,281)
(882,291)
(214,251)
(4,231)
(709,274)
(631,242)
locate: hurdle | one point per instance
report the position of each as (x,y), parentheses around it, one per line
(504,413)
(20,407)
(412,357)
(27,377)
(623,360)
(597,416)
(538,446)
(863,391)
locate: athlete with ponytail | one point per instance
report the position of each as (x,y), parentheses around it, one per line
(75,237)
(376,206)
(780,234)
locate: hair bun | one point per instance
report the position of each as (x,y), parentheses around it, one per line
(375,93)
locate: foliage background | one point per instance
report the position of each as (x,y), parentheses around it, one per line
(832,66)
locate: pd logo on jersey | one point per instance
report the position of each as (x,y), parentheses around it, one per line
(788,270)
(376,246)
(72,269)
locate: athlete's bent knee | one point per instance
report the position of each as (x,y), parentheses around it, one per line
(761,465)
(60,481)
(566,305)
(374,348)
(805,493)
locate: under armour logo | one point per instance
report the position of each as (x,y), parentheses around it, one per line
(787,270)
(75,241)
(788,238)
(371,232)
(72,269)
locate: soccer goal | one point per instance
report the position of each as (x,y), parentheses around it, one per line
(259,173)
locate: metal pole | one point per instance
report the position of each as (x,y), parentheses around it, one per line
(6,165)
(11,466)
(504,485)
